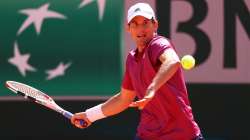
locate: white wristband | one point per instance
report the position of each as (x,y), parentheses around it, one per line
(95,113)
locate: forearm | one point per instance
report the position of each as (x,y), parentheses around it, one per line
(115,105)
(165,72)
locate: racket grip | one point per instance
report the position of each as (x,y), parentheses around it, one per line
(69,115)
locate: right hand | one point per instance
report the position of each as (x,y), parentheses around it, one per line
(150,93)
(75,120)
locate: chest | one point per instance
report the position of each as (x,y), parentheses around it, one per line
(141,72)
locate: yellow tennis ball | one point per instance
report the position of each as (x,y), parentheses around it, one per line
(187,62)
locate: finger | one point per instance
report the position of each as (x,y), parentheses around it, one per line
(140,108)
(150,95)
(75,117)
(72,119)
(142,104)
(134,104)
(79,125)
(139,102)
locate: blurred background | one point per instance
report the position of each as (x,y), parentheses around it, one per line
(75,52)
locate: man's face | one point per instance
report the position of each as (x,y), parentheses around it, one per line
(142,29)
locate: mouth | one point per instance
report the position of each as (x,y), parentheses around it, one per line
(141,36)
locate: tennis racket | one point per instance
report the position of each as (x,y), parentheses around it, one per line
(39,97)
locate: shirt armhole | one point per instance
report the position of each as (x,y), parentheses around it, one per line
(126,82)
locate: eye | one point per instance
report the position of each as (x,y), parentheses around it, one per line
(146,22)
(133,25)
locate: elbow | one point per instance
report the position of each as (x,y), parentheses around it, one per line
(176,64)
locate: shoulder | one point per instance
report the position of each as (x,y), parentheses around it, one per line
(160,41)
(130,56)
(157,46)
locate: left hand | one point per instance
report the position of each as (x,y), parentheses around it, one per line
(144,101)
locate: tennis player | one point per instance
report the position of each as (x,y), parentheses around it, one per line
(154,75)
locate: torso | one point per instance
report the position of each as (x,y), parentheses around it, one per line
(168,115)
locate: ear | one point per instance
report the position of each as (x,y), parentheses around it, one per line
(156,25)
(127,28)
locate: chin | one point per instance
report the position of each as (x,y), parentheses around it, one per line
(141,43)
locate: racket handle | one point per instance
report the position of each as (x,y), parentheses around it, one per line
(69,115)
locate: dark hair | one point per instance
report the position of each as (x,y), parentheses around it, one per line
(153,20)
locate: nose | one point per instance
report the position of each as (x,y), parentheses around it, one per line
(140,28)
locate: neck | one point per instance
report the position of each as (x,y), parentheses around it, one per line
(141,48)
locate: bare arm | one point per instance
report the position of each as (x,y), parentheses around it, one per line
(114,105)
(118,103)
(170,63)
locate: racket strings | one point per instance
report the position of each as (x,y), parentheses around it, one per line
(30,92)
